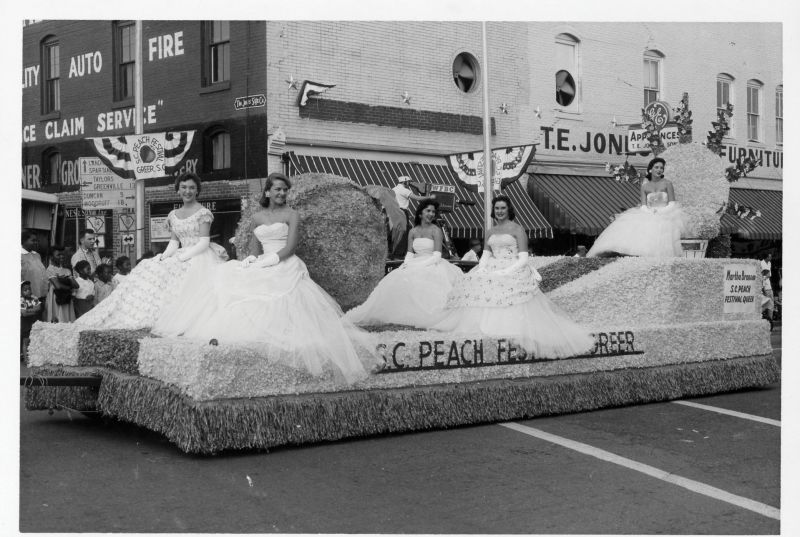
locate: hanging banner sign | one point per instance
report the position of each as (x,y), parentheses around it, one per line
(508,163)
(144,156)
(101,188)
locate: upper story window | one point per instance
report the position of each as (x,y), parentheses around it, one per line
(466,72)
(217,51)
(567,73)
(124,60)
(754,90)
(725,95)
(51,88)
(779,115)
(51,166)
(653,67)
(217,149)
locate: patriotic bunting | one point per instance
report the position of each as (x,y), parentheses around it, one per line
(144,156)
(508,163)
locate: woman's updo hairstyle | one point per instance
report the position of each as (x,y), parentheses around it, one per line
(276,176)
(422,206)
(653,163)
(188,176)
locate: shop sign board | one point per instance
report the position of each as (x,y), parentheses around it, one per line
(159,229)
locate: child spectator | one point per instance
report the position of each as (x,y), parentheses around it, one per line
(29,308)
(103,285)
(83,297)
(123,265)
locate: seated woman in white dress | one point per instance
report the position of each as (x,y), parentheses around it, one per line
(500,297)
(651,230)
(415,293)
(271,300)
(154,284)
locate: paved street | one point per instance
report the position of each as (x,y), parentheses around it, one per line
(657,468)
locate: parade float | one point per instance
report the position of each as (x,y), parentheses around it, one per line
(664,329)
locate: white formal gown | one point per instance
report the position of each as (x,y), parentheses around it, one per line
(643,233)
(413,294)
(154,287)
(512,306)
(283,309)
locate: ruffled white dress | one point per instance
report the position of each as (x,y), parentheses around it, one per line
(283,309)
(512,306)
(643,233)
(415,294)
(153,286)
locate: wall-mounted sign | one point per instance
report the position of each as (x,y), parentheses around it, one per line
(127,223)
(637,141)
(159,230)
(103,189)
(742,284)
(251,101)
(127,239)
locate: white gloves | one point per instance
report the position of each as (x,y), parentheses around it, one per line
(267,260)
(522,260)
(248,260)
(172,247)
(536,276)
(409,256)
(484,260)
(188,253)
(432,260)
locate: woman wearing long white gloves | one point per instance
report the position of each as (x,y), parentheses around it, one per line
(272,302)
(651,230)
(501,298)
(161,287)
(415,293)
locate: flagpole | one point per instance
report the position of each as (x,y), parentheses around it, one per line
(139,129)
(487,148)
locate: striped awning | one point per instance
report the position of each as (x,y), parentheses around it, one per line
(466,221)
(767,226)
(582,204)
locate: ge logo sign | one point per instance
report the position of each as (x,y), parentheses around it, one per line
(659,113)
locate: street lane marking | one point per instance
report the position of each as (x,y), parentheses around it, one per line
(690,484)
(742,415)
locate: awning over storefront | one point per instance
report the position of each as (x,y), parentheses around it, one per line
(767,226)
(582,204)
(467,219)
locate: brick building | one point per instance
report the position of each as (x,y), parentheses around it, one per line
(402,99)
(404,95)
(78,83)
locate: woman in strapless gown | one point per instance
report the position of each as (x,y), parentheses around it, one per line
(501,297)
(651,230)
(155,286)
(271,300)
(415,293)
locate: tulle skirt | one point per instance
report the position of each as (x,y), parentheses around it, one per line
(513,306)
(283,309)
(413,295)
(642,233)
(143,295)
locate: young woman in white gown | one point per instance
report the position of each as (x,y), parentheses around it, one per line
(501,298)
(153,287)
(271,300)
(416,292)
(650,230)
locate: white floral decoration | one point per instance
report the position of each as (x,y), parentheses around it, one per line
(698,176)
